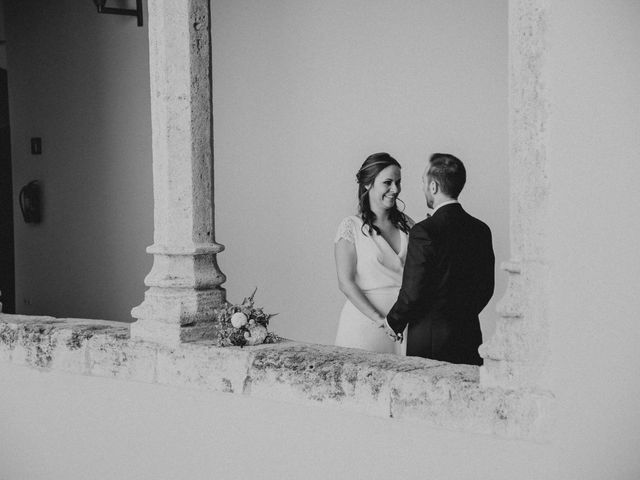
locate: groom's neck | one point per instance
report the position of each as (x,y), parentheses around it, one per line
(440,199)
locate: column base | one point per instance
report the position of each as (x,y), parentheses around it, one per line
(173,316)
(171,334)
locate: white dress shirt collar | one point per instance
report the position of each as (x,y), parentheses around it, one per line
(443,204)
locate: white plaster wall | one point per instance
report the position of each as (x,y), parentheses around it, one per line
(304,91)
(74,427)
(594,229)
(80,81)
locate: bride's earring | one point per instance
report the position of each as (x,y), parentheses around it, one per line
(404,205)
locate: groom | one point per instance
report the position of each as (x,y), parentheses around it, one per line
(448,274)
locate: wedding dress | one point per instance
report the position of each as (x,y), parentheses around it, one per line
(379,276)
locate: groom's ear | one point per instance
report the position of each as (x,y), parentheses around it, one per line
(433,187)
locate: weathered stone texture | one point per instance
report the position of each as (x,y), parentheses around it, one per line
(409,388)
(184,282)
(202,365)
(516,354)
(326,375)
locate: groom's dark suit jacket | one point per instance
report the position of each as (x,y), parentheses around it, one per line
(448,279)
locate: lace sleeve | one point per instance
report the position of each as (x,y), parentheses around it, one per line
(346,230)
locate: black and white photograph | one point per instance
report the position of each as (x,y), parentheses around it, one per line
(303,239)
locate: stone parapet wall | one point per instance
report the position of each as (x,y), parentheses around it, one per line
(406,388)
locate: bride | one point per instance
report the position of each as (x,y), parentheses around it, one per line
(370,250)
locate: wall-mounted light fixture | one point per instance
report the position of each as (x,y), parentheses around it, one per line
(121,11)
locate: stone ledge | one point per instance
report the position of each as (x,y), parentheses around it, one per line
(410,388)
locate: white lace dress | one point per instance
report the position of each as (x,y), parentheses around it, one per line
(379,276)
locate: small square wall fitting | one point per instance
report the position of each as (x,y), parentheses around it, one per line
(36,146)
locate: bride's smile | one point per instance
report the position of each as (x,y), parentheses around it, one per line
(385,188)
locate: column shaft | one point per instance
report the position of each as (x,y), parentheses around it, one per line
(513,357)
(184,282)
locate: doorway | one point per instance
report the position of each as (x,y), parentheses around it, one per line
(7,279)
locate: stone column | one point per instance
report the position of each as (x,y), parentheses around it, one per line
(516,353)
(184,282)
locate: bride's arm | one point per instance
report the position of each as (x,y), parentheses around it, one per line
(345,253)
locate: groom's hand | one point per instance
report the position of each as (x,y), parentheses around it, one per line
(396,337)
(399,337)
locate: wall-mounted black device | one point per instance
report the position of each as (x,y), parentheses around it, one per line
(30,199)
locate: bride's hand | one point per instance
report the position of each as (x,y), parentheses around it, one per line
(396,337)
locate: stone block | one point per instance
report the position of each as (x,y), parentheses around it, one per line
(8,341)
(36,342)
(438,393)
(70,347)
(322,375)
(122,358)
(202,365)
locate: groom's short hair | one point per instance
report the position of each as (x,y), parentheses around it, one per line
(448,171)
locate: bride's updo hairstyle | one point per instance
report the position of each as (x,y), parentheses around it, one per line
(368,172)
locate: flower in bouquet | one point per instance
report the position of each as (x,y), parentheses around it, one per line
(244,324)
(239,320)
(256,335)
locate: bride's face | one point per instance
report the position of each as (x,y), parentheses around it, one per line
(385,188)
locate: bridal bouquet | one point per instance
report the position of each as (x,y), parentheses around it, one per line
(244,324)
